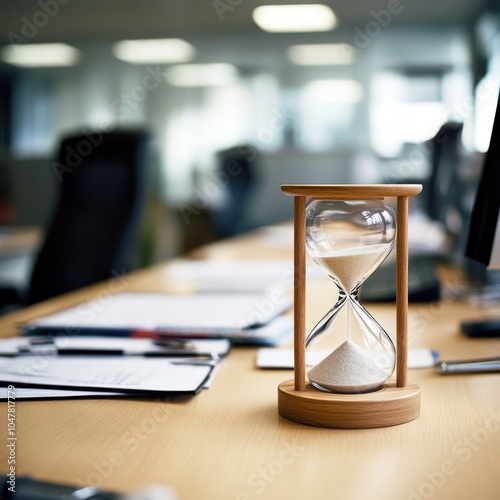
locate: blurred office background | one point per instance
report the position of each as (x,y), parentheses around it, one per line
(365,108)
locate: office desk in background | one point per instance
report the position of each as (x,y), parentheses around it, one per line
(230,443)
(18,246)
(13,240)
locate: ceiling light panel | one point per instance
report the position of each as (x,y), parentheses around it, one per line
(202,75)
(154,51)
(335,91)
(41,55)
(295,18)
(324,54)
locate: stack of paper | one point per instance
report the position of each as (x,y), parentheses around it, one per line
(140,344)
(39,367)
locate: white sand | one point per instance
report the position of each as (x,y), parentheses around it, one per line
(352,264)
(348,369)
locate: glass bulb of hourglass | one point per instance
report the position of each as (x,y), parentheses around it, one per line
(349,240)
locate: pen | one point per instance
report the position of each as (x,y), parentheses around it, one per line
(162,342)
(161,347)
(113,352)
(469,366)
(141,333)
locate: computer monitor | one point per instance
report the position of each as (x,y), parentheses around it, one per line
(483,244)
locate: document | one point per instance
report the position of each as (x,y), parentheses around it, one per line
(128,374)
(239,316)
(28,393)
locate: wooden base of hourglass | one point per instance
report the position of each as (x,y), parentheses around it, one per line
(393,404)
(388,406)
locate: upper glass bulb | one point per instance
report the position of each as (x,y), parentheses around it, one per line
(349,239)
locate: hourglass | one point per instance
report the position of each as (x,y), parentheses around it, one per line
(349,230)
(349,239)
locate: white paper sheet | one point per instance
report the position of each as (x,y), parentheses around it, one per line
(205,313)
(122,373)
(28,393)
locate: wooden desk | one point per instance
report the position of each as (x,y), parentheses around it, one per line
(230,443)
(17,252)
(14,240)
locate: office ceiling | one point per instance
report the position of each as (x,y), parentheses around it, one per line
(83,19)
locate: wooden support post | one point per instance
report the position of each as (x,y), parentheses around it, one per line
(402,292)
(300,292)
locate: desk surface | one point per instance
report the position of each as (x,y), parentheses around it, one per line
(14,240)
(230,443)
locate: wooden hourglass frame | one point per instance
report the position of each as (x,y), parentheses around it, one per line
(392,404)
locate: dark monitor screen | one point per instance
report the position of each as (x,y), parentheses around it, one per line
(482,245)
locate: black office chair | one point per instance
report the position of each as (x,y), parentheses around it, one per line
(102,187)
(445,189)
(239,165)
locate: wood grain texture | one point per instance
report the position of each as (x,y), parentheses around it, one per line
(19,240)
(402,291)
(351,191)
(299,284)
(388,406)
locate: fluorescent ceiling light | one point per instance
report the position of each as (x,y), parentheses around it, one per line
(154,51)
(335,91)
(40,55)
(202,75)
(294,18)
(321,54)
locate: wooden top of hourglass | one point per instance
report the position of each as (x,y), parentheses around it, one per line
(351,192)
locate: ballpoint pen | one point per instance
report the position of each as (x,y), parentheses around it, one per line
(484,365)
(153,348)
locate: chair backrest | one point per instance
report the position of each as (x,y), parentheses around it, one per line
(102,180)
(445,162)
